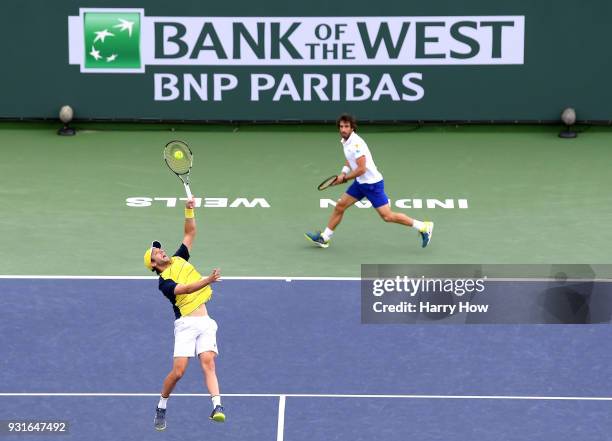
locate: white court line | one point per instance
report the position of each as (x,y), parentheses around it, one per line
(291,278)
(280,428)
(419,397)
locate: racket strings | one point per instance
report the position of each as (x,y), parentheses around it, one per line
(178,157)
(327,183)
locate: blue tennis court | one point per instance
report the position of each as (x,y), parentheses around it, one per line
(295,364)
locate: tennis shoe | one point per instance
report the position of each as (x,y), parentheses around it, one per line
(317,239)
(426,232)
(218,414)
(160,419)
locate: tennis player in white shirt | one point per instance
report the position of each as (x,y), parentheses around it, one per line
(368,183)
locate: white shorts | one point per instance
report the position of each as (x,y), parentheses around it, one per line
(194,335)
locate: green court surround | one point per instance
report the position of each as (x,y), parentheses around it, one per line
(533,198)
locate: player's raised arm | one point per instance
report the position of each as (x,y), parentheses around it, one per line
(190,225)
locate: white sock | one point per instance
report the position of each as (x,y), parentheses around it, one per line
(418,225)
(162,402)
(327,234)
(216,400)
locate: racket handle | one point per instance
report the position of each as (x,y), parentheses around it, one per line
(188,191)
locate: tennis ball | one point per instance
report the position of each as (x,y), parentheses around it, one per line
(178,154)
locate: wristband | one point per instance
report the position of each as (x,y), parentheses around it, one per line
(346,170)
(189,214)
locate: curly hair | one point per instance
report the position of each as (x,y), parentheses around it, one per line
(345,117)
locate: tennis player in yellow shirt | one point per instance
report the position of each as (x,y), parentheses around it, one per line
(195,333)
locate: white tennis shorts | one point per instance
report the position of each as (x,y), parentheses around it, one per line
(194,335)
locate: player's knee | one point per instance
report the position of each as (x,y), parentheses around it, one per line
(340,208)
(178,372)
(208,364)
(209,368)
(387,217)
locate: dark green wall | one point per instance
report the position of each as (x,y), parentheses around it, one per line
(568,62)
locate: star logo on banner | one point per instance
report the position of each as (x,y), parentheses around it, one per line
(112,40)
(125,25)
(95,53)
(101,35)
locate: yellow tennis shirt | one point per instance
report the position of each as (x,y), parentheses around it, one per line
(182,272)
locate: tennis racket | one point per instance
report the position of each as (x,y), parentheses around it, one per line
(179,159)
(327,182)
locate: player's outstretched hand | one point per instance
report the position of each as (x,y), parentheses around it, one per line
(215,276)
(190,203)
